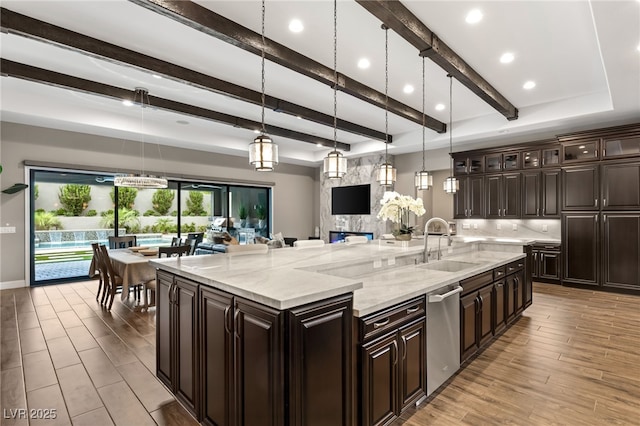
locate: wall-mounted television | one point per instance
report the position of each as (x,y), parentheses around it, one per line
(355,199)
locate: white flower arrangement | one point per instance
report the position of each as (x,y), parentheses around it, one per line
(396,208)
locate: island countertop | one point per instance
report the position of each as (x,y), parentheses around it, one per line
(290,277)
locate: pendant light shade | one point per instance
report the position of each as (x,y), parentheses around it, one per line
(263,154)
(141,180)
(423,180)
(451,184)
(386,171)
(335,164)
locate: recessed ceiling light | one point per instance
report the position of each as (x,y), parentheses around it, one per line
(127,103)
(585,152)
(581,147)
(507,58)
(157,76)
(256,131)
(439,107)
(529,85)
(319,145)
(364,63)
(474,16)
(298,117)
(407,88)
(295,26)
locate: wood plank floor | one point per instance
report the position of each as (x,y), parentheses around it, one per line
(572,358)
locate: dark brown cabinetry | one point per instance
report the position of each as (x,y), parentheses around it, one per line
(621,252)
(621,186)
(502,196)
(580,244)
(580,188)
(468,202)
(392,376)
(514,290)
(613,147)
(176,338)
(541,194)
(580,150)
(546,263)
(476,313)
(463,164)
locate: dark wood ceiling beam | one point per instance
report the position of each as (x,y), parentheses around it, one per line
(25,26)
(396,16)
(52,78)
(202,19)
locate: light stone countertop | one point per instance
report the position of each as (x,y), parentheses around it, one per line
(290,277)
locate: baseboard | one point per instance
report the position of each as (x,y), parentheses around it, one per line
(12,284)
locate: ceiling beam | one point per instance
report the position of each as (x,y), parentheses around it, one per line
(396,16)
(52,78)
(202,19)
(15,23)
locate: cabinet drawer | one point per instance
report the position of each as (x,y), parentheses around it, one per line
(515,266)
(499,273)
(474,283)
(388,319)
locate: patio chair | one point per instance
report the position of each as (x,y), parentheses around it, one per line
(176,241)
(125,241)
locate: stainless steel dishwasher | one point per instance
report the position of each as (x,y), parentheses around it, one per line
(443,335)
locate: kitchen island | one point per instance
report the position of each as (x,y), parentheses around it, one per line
(280,338)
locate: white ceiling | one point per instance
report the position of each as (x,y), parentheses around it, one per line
(583,56)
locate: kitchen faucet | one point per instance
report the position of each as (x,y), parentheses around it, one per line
(425,253)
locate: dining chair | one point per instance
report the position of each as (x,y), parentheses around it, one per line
(114,280)
(173,251)
(125,241)
(239,250)
(149,286)
(308,243)
(356,239)
(96,267)
(176,241)
(193,244)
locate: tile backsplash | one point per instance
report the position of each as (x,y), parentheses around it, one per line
(542,229)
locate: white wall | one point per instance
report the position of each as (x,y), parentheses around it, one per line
(294,209)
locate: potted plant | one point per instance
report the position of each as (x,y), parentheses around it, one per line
(261,215)
(242,214)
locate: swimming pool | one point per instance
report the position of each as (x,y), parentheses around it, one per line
(87,243)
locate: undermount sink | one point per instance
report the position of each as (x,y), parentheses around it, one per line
(448,265)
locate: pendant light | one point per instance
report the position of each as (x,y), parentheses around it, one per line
(263,153)
(335,164)
(423,179)
(386,172)
(141,180)
(451,184)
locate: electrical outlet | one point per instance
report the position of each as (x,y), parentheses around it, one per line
(545,228)
(391,261)
(466,226)
(377,263)
(498,226)
(514,226)
(7,230)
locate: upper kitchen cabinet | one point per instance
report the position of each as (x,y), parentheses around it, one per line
(531,159)
(551,156)
(541,194)
(502,162)
(624,146)
(464,164)
(621,186)
(502,196)
(580,151)
(468,202)
(580,188)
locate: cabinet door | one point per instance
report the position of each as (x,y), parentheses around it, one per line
(320,386)
(510,298)
(511,196)
(580,248)
(550,194)
(476,164)
(460,200)
(413,370)
(621,186)
(460,165)
(511,161)
(518,297)
(493,163)
(499,319)
(485,325)
(493,196)
(549,265)
(530,194)
(380,380)
(586,150)
(259,364)
(621,239)
(217,402)
(475,197)
(186,341)
(468,322)
(580,188)
(530,159)
(535,264)
(164,347)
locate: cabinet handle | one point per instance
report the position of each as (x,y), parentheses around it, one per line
(477,305)
(537,211)
(395,345)
(516,282)
(520,265)
(412,310)
(380,324)
(404,347)
(604,202)
(226,319)
(481,303)
(596,200)
(499,210)
(235,324)
(169,293)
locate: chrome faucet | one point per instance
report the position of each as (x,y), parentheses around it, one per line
(426,251)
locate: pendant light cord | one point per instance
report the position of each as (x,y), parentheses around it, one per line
(451,120)
(386,92)
(263,41)
(335,75)
(423,96)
